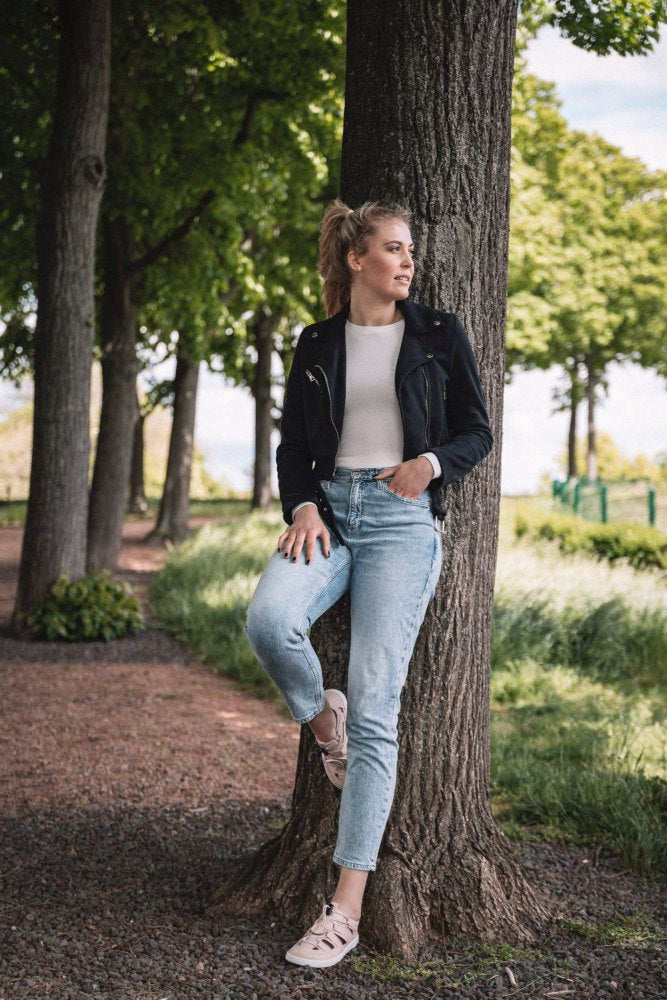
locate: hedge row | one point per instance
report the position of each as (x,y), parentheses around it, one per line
(641,545)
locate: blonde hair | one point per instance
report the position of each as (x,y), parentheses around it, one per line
(343,229)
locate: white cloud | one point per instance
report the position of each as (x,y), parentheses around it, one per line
(623,99)
(552,57)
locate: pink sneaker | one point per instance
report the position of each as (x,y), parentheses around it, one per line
(329,939)
(334,753)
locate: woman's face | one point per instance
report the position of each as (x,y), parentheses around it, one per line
(386,269)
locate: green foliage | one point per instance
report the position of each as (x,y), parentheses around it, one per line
(613,464)
(642,546)
(602,26)
(605,26)
(95,607)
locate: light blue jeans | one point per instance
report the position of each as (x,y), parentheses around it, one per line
(390,564)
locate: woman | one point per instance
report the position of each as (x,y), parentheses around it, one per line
(383,407)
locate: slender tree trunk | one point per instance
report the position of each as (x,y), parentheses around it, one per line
(113,457)
(172,521)
(264,326)
(433,130)
(137,504)
(74,175)
(572,441)
(591,447)
(575,396)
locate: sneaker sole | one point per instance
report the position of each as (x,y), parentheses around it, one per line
(323,963)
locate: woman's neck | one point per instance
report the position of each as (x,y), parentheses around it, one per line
(376,314)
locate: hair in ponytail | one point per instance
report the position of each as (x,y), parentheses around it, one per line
(343,229)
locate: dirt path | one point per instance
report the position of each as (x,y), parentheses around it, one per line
(141,718)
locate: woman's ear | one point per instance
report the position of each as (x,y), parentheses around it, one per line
(353,260)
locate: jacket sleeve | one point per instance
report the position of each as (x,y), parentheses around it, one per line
(296,482)
(471,439)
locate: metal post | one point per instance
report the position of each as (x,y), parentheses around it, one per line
(603,504)
(651,507)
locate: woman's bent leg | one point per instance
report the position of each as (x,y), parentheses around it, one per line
(289,598)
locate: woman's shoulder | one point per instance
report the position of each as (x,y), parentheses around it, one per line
(432,318)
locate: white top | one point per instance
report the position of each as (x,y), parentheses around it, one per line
(372,434)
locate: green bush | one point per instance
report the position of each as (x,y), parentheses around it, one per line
(642,546)
(95,607)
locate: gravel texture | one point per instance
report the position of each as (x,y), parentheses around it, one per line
(132,781)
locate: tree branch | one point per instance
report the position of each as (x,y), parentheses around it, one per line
(176,234)
(252,104)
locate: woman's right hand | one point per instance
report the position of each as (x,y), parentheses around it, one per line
(306,528)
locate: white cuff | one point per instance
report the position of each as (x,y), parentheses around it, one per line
(437,468)
(306,503)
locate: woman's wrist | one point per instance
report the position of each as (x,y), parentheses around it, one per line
(306,503)
(433,462)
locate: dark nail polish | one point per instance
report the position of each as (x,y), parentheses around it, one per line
(293,558)
(307,562)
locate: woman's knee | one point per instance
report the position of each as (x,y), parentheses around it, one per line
(269,624)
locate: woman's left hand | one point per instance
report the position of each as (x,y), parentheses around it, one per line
(410,478)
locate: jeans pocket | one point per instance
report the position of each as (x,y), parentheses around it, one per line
(423,500)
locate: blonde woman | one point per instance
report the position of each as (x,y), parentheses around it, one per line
(383,407)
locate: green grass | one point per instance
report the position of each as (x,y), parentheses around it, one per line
(203,592)
(473,961)
(634,930)
(14,511)
(579,655)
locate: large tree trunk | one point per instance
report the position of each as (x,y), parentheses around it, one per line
(433,130)
(74,174)
(137,503)
(172,521)
(109,490)
(265,324)
(591,447)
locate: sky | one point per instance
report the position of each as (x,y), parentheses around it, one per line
(623,99)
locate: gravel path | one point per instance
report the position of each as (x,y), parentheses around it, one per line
(131,782)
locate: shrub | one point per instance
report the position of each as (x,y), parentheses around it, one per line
(95,607)
(641,545)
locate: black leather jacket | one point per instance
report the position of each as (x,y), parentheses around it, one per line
(439,394)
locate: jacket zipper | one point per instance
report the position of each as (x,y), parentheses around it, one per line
(400,384)
(326,380)
(312,378)
(426,390)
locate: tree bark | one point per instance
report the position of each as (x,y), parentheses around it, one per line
(137,503)
(265,324)
(591,447)
(74,176)
(113,457)
(433,131)
(172,521)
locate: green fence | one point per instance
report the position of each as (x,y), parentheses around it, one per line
(617,500)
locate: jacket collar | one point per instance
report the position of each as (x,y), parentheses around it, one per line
(419,319)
